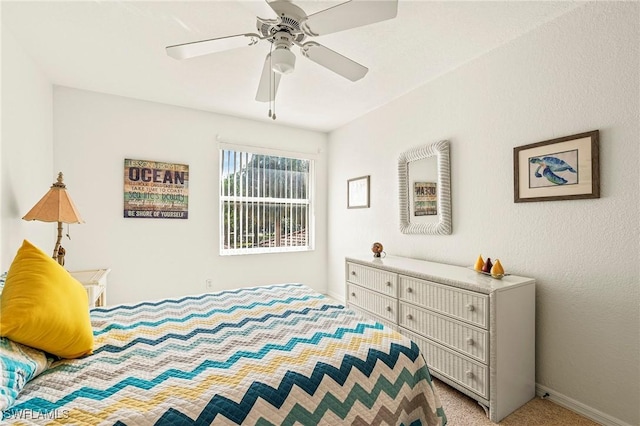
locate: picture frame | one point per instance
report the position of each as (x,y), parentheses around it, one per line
(358,192)
(565,168)
(425,164)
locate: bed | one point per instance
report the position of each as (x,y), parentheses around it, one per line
(270,355)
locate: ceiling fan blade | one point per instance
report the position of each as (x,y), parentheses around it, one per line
(347,15)
(269,82)
(334,61)
(204,47)
(258,8)
(286,7)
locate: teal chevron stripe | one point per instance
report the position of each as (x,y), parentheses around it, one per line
(97,394)
(329,402)
(205,314)
(146,353)
(109,311)
(262,422)
(196,331)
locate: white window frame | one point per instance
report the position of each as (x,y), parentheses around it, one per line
(311,199)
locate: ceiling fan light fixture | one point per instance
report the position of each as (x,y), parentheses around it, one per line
(283,61)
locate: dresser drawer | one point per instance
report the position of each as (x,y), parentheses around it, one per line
(375,279)
(467,373)
(368,315)
(469,340)
(376,303)
(462,304)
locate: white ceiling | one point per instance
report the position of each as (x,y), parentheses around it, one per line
(117,47)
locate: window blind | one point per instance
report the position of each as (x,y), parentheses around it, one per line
(265,203)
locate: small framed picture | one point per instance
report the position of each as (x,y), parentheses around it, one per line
(558,169)
(358,192)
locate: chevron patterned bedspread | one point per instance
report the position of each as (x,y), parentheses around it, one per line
(272,355)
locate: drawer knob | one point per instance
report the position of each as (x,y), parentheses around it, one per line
(470,307)
(388,308)
(409,290)
(470,341)
(388,283)
(353,272)
(353,294)
(409,317)
(469,374)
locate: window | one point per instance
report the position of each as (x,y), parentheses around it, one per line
(265,203)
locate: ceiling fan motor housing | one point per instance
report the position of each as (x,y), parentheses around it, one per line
(289,19)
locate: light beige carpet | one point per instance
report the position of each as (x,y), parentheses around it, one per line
(464,411)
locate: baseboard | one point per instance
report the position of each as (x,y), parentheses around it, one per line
(578,407)
(338,297)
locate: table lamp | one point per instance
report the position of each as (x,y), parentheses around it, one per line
(56,206)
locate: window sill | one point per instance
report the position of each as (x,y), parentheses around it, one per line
(265,250)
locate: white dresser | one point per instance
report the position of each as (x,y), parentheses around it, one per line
(477,333)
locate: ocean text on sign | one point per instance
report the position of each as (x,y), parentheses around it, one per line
(137,174)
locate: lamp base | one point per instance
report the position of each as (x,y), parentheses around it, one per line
(60,255)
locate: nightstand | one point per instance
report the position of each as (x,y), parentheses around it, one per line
(95,282)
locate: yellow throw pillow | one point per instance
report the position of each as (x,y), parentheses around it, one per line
(44,307)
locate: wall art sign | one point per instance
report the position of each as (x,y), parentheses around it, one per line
(156,190)
(425,198)
(358,192)
(558,169)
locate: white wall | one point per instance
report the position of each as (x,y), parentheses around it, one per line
(575,74)
(154,258)
(26,160)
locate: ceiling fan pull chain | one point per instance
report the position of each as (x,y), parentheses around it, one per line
(270,79)
(272,83)
(274,98)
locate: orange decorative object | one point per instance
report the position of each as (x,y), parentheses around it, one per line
(479,264)
(376,248)
(497,269)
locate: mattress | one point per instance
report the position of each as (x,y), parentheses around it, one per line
(271,355)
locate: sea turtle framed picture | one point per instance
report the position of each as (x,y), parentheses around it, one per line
(565,168)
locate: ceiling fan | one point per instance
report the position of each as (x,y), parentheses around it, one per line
(293,26)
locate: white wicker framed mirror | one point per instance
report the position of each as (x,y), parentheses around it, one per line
(425,190)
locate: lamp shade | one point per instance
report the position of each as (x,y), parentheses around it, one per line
(55,206)
(283,61)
